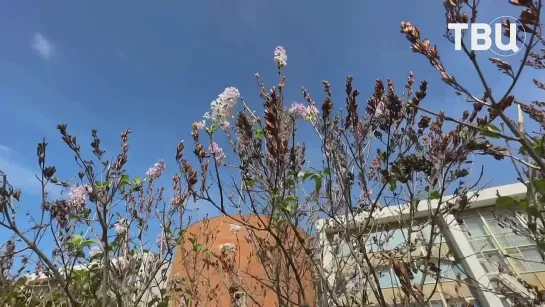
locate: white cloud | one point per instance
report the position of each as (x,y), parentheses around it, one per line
(43,46)
(21,176)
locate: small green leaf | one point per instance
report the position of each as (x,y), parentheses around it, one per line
(77,240)
(285,206)
(290,198)
(137,181)
(259,133)
(317,183)
(124,181)
(491,127)
(307,174)
(434,195)
(490,134)
(532,211)
(88,243)
(539,185)
(327,171)
(504,201)
(393,184)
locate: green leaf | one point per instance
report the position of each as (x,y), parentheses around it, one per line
(137,181)
(285,206)
(504,201)
(88,243)
(382,155)
(290,198)
(259,133)
(101,185)
(327,171)
(491,127)
(307,174)
(317,183)
(393,184)
(124,181)
(211,129)
(539,185)
(490,134)
(532,211)
(490,131)
(77,240)
(434,194)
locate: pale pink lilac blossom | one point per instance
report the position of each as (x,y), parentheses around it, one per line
(217,152)
(79,194)
(200,124)
(312,112)
(121,227)
(227,247)
(234,228)
(222,109)
(300,111)
(280,56)
(166,241)
(156,170)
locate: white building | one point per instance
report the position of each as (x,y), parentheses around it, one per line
(480,262)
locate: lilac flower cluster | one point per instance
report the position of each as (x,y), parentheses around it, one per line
(223,107)
(217,152)
(235,228)
(79,194)
(228,248)
(166,241)
(299,110)
(121,227)
(157,170)
(280,56)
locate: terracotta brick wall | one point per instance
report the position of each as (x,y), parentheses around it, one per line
(198,270)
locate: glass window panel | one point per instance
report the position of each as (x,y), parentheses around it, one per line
(497,229)
(506,240)
(476,303)
(532,253)
(387,278)
(492,261)
(343,250)
(449,271)
(474,226)
(436,303)
(482,244)
(394,238)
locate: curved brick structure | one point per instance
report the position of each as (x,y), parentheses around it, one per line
(202,272)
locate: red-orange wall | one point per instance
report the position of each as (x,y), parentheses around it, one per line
(210,285)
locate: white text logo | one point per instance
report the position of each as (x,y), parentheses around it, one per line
(481,36)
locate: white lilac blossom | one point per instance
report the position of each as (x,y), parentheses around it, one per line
(227,247)
(156,170)
(312,112)
(120,263)
(223,107)
(200,124)
(217,152)
(298,110)
(121,227)
(166,241)
(79,193)
(280,56)
(235,228)
(95,250)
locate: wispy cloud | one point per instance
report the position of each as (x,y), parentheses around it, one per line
(43,46)
(20,175)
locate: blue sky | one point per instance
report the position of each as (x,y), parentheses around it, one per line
(154,67)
